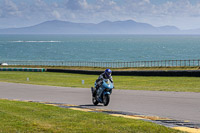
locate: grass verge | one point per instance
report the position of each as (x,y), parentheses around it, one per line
(180,84)
(35,117)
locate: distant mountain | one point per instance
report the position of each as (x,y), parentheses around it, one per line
(105,27)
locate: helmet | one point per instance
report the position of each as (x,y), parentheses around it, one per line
(108,73)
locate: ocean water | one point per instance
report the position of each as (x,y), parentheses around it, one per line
(112,48)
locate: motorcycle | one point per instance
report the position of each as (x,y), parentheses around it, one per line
(103,93)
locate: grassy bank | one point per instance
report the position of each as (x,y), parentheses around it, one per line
(35,117)
(183,84)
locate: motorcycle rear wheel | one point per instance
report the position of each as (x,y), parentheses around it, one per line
(106,100)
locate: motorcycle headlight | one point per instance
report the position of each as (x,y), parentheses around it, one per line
(107,89)
(107,82)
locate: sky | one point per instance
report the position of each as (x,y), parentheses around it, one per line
(184,14)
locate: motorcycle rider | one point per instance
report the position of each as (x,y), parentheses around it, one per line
(105,75)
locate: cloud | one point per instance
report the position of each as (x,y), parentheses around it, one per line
(10,6)
(77,4)
(171,12)
(56,14)
(9,9)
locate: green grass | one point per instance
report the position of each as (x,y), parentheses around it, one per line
(24,117)
(182,84)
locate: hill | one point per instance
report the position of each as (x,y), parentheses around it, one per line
(105,27)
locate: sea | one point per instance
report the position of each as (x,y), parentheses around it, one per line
(99,48)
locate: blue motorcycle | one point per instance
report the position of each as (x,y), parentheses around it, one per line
(103,93)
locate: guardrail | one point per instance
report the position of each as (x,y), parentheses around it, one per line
(161,63)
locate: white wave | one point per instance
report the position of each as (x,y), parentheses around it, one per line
(35,41)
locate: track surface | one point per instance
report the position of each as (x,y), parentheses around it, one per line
(174,105)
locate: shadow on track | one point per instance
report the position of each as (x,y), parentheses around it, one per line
(89,105)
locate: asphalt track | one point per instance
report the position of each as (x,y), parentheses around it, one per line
(174,105)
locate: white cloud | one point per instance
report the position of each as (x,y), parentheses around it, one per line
(84,4)
(77,4)
(168,13)
(147,1)
(9,9)
(56,14)
(11,6)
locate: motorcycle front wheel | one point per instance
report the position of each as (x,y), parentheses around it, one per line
(94,101)
(106,99)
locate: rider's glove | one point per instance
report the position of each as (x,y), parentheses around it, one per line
(97,86)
